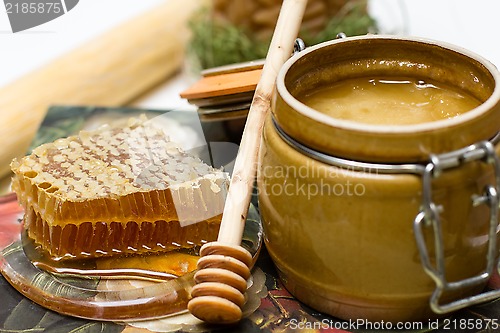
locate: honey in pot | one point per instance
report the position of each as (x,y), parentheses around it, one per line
(386,101)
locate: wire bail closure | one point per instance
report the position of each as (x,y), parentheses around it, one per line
(429,216)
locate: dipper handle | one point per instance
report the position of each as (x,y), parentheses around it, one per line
(219,294)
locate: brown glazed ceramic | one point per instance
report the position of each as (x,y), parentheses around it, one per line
(342,238)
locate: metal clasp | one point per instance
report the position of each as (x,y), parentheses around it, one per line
(298,46)
(429,216)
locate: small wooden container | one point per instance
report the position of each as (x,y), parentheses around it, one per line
(380,222)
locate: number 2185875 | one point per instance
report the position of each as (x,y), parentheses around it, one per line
(32,8)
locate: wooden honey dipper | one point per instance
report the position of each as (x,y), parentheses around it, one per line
(223,268)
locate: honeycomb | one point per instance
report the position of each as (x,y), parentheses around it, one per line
(118,190)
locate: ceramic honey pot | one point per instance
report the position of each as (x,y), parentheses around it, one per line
(391,218)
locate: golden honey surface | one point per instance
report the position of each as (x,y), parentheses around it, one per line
(389,101)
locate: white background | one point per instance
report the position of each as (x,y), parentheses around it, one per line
(471,24)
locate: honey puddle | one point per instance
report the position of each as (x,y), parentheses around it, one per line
(389,101)
(153,266)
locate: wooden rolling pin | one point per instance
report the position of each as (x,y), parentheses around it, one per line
(109,71)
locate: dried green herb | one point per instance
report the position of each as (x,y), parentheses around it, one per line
(215,44)
(353,20)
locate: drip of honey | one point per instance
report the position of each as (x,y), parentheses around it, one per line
(152,266)
(389,101)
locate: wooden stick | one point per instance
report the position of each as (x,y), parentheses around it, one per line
(242,181)
(218,296)
(111,70)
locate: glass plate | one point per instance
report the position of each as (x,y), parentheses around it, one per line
(108,299)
